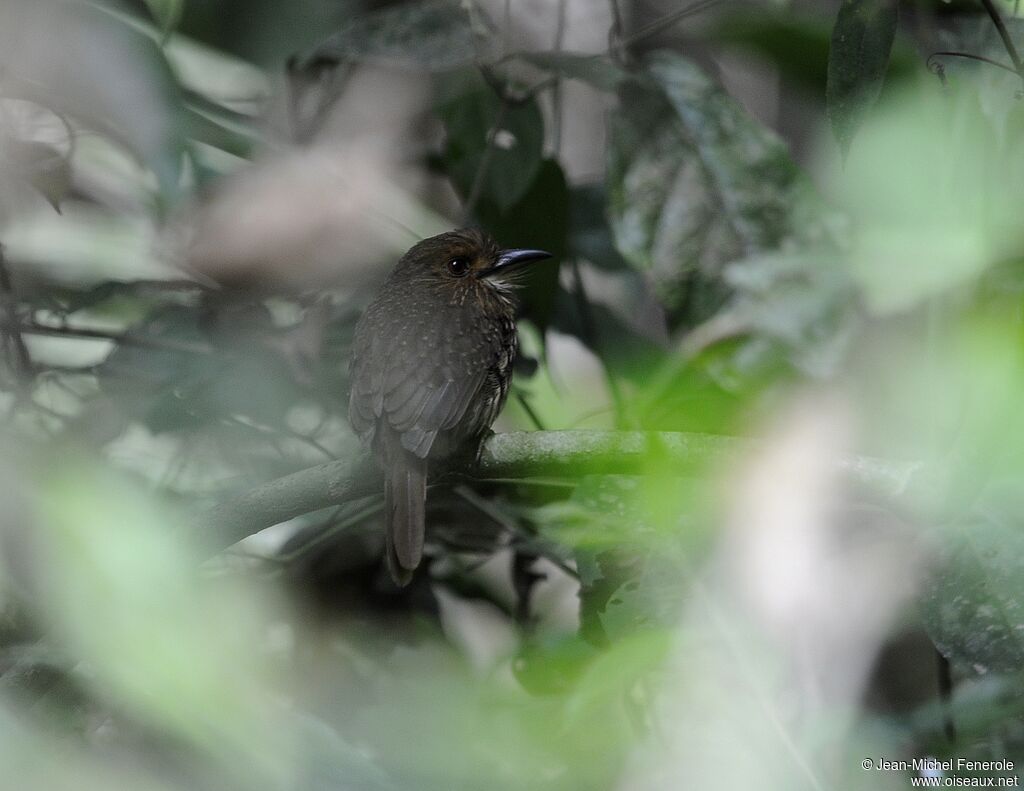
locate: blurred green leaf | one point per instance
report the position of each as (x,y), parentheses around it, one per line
(796,44)
(610,678)
(553,665)
(694,183)
(493,149)
(630,554)
(803,301)
(215,125)
(122,593)
(98,68)
(48,170)
(973,605)
(181,376)
(925,222)
(857,60)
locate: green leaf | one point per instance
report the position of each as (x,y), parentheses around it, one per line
(974,605)
(550,665)
(693,184)
(121,592)
(925,222)
(46,168)
(590,234)
(539,218)
(36,146)
(493,149)
(109,76)
(857,60)
(436,34)
(804,301)
(796,44)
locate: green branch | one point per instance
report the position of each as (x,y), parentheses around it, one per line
(509,456)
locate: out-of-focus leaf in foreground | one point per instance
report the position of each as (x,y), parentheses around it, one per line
(35,151)
(694,183)
(122,593)
(799,598)
(954,407)
(925,220)
(80,59)
(857,59)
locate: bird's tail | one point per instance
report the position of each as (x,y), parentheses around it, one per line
(405,499)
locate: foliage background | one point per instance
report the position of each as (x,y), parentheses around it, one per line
(788,253)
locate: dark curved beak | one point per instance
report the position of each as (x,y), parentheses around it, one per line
(510,259)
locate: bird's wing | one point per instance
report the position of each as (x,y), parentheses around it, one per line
(418,380)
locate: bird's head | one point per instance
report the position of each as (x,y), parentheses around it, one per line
(466,259)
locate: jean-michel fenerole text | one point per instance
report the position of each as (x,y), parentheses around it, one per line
(947,765)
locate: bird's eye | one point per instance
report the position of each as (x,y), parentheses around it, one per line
(459,266)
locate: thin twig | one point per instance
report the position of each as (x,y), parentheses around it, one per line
(1004,34)
(667,21)
(932,66)
(524,402)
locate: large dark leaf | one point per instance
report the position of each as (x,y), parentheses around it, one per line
(857,60)
(974,606)
(493,149)
(538,219)
(796,44)
(694,183)
(590,235)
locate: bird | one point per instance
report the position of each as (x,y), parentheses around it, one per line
(431,364)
